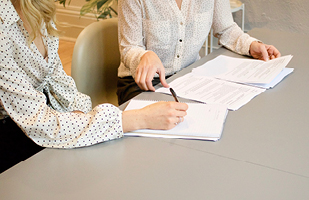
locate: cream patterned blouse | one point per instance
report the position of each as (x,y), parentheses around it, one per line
(175,35)
(40,97)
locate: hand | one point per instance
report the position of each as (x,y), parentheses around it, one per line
(263,51)
(149,64)
(160,115)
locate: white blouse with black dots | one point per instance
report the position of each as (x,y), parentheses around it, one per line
(175,35)
(40,97)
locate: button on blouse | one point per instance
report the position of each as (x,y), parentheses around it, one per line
(158,25)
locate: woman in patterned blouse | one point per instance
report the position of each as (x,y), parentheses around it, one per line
(40,105)
(159,38)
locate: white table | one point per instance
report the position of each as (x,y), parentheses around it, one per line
(263,153)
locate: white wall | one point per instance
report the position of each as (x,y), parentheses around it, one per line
(285,15)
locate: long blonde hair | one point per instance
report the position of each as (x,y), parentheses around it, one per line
(37,12)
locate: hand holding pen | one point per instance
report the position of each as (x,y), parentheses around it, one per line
(174,94)
(181,119)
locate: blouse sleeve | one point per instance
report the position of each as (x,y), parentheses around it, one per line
(46,126)
(229,33)
(130,33)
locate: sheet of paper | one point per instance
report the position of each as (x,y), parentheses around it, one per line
(243,70)
(203,121)
(213,91)
(278,79)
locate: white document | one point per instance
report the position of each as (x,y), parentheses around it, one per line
(273,83)
(203,122)
(243,70)
(212,91)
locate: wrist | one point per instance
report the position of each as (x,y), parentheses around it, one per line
(145,54)
(133,120)
(253,43)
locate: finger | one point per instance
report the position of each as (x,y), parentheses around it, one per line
(149,85)
(142,81)
(272,51)
(163,81)
(180,113)
(278,54)
(177,113)
(162,77)
(181,119)
(275,52)
(177,106)
(178,120)
(264,53)
(138,77)
(149,79)
(181,106)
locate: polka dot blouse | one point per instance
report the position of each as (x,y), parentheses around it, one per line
(40,97)
(175,35)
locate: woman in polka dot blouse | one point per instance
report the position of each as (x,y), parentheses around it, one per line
(159,38)
(40,105)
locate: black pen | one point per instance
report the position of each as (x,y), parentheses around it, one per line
(174,94)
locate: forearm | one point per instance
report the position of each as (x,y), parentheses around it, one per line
(130,33)
(49,128)
(229,33)
(236,40)
(133,120)
(132,58)
(160,116)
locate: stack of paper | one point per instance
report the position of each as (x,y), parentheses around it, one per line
(248,71)
(211,90)
(230,81)
(203,121)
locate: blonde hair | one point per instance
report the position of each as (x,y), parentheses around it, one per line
(37,12)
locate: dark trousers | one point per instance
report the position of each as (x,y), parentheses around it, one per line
(15,146)
(127,88)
